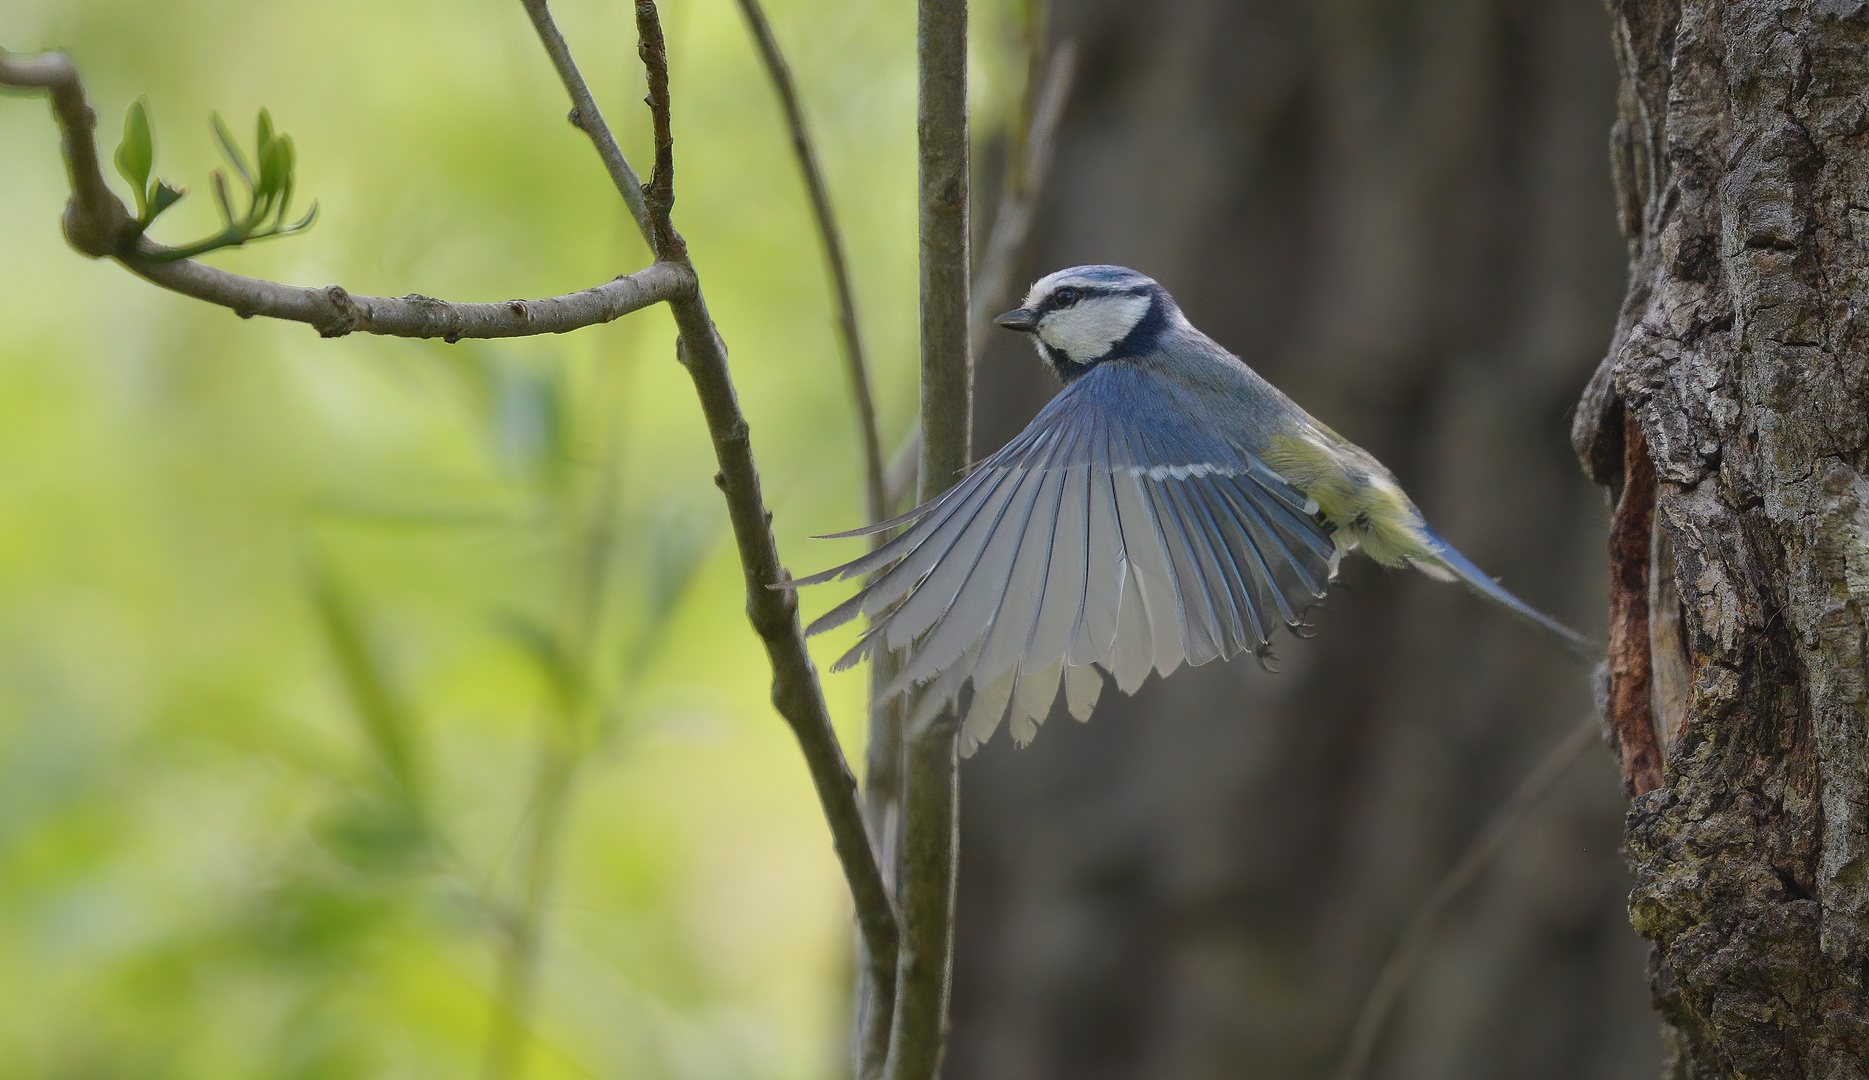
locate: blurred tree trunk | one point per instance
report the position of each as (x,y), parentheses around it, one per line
(1399,212)
(1735,403)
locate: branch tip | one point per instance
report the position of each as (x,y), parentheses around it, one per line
(588,118)
(659,194)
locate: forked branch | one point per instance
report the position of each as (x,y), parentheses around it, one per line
(98,224)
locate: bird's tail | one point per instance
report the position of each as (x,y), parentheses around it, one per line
(1476,579)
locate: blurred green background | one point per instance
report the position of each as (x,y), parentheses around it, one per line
(336,676)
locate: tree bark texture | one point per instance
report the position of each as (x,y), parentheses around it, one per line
(1741,157)
(1398,211)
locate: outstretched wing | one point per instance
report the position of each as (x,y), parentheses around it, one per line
(1096,537)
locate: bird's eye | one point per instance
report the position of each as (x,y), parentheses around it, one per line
(1065,297)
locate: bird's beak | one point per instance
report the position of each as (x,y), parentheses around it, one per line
(1021,320)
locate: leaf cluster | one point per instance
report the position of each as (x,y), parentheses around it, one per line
(268,186)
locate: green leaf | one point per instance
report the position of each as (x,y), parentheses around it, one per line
(137,153)
(164,197)
(221,199)
(265,131)
(305,222)
(285,203)
(275,168)
(231,150)
(289,150)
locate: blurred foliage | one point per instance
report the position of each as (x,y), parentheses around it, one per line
(325,666)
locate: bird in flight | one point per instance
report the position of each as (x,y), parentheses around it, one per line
(1168,506)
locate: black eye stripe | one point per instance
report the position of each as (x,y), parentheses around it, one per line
(1065,296)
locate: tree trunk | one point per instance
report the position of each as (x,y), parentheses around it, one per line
(1396,210)
(1737,388)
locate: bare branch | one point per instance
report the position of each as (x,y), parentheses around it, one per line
(586,117)
(832,239)
(334,312)
(926,865)
(97,224)
(925,868)
(882,811)
(660,191)
(1413,944)
(947,359)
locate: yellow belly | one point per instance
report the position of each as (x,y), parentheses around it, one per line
(1357,497)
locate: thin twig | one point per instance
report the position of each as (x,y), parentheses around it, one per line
(659,193)
(947,359)
(1413,944)
(926,865)
(586,117)
(925,877)
(832,238)
(333,312)
(97,224)
(1012,222)
(874,1018)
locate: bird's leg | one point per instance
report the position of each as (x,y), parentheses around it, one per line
(1302,629)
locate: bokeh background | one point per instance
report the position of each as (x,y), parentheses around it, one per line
(341,680)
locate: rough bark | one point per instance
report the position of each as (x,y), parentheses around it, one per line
(1742,166)
(1399,212)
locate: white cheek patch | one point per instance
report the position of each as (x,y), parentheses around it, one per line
(1087,330)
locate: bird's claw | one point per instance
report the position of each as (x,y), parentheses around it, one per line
(1302,629)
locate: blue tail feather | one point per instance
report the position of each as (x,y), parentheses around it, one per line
(1476,579)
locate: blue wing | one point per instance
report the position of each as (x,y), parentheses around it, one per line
(1094,539)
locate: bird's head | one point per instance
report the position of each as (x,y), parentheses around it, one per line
(1083,316)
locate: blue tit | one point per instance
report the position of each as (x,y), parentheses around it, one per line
(1169,506)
